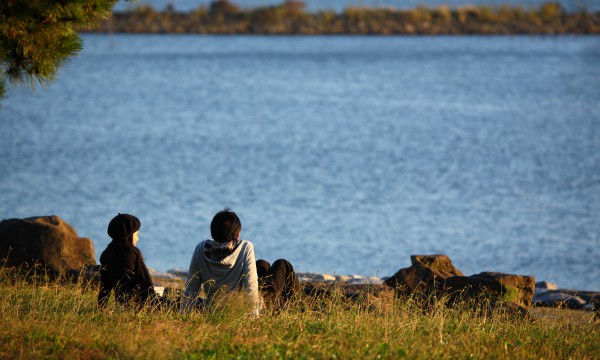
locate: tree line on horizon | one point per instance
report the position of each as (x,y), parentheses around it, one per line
(291,18)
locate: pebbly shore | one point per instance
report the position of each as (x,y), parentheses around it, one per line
(547,294)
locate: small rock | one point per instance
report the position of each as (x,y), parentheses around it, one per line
(588,307)
(375,280)
(178,272)
(160,274)
(356,281)
(315,278)
(324,278)
(546,285)
(558,299)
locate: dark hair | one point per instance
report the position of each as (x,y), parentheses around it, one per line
(225,226)
(122,227)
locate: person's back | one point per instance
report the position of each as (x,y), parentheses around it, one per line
(227,263)
(122,265)
(232,272)
(222,264)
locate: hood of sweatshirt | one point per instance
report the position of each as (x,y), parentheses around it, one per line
(225,254)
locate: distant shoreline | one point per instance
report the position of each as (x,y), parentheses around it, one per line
(290,18)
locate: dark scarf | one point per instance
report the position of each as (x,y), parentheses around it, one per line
(217,251)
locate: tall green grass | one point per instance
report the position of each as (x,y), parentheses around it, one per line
(43,319)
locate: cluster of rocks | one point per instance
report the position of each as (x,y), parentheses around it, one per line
(549,295)
(50,244)
(304,277)
(434,277)
(316,278)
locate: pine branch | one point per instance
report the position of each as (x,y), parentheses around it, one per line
(37,37)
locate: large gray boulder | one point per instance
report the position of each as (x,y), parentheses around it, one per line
(46,240)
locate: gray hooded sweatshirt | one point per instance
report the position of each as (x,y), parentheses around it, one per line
(235,271)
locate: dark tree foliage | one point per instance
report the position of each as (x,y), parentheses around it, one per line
(38,36)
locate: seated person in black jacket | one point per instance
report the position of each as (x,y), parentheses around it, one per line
(123,269)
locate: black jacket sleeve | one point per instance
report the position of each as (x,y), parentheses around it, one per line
(107,282)
(143,280)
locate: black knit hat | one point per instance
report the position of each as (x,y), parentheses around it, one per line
(123,226)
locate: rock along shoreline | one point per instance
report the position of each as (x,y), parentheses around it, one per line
(547,294)
(54,245)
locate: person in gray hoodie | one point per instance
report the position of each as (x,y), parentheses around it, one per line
(228,263)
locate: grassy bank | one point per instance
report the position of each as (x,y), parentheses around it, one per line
(44,320)
(290,18)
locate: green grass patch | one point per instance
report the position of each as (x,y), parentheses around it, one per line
(45,320)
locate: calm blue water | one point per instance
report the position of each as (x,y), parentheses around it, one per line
(343,154)
(340,5)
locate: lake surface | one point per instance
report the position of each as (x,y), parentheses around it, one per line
(342,154)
